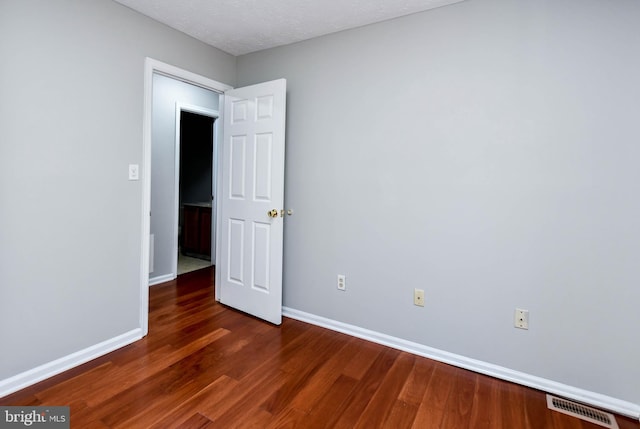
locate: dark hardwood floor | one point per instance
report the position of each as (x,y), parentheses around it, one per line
(206,366)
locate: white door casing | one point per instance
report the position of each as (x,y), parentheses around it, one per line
(251,242)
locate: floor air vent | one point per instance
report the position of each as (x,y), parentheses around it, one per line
(582,412)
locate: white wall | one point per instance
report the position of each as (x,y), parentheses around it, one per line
(166,92)
(71,115)
(486,152)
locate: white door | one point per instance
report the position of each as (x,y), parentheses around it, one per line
(250,254)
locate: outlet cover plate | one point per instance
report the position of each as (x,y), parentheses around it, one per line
(521,319)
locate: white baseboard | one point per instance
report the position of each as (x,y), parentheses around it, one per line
(595,399)
(161,279)
(33,376)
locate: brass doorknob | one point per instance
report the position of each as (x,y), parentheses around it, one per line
(272,213)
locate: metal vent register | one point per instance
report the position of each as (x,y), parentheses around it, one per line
(582,412)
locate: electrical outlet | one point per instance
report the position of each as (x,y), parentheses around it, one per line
(521,320)
(418,297)
(342,282)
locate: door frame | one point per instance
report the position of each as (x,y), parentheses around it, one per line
(215,114)
(152,66)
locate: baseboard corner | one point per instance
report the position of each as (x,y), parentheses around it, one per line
(161,279)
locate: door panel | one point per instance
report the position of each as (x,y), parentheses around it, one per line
(236,252)
(262,245)
(253,184)
(238,164)
(263,151)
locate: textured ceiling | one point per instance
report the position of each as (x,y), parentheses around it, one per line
(239,27)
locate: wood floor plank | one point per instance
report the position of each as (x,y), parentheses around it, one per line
(362,361)
(325,376)
(234,356)
(627,423)
(566,422)
(207,398)
(485,408)
(402,415)
(458,414)
(537,415)
(366,388)
(290,418)
(330,406)
(132,404)
(434,402)
(229,412)
(197,421)
(204,365)
(303,369)
(379,407)
(90,425)
(406,406)
(270,383)
(512,405)
(413,390)
(265,378)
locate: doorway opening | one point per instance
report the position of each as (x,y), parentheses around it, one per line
(155,267)
(171,98)
(196,175)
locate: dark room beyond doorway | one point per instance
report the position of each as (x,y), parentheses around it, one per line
(195,191)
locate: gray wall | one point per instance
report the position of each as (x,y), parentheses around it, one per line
(71,115)
(166,92)
(486,152)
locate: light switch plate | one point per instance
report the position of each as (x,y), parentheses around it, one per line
(134,171)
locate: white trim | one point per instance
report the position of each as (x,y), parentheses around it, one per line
(596,399)
(187,76)
(191,108)
(214,184)
(146,197)
(218,156)
(154,66)
(161,279)
(37,374)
